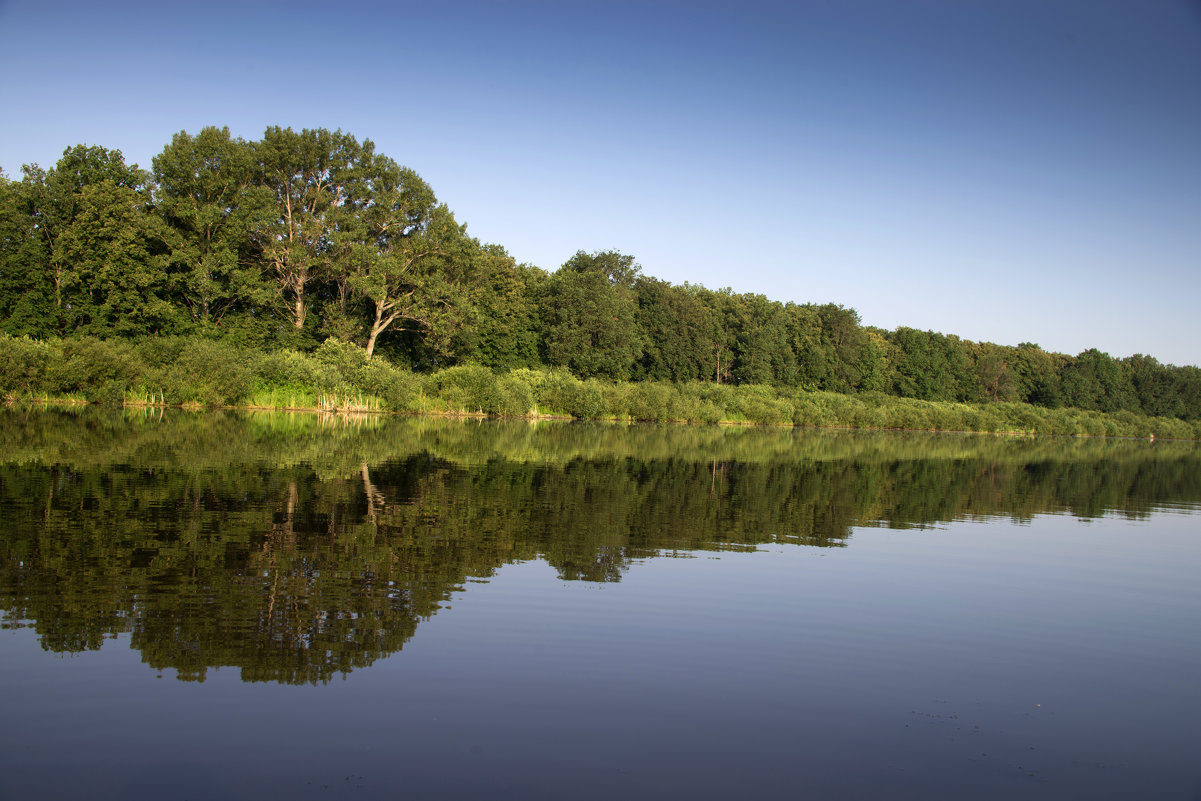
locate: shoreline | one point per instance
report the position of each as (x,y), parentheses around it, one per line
(336,411)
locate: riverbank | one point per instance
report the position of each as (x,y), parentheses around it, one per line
(746,406)
(337,378)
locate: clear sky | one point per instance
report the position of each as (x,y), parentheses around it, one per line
(1003,170)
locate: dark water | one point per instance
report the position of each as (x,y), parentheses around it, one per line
(223,606)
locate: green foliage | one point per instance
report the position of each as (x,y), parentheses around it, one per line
(589,325)
(760,404)
(22,364)
(311,241)
(553,389)
(307,176)
(208,198)
(618,269)
(516,397)
(395,386)
(994,376)
(679,333)
(589,401)
(26,291)
(290,368)
(117,285)
(343,358)
(203,371)
(399,252)
(468,388)
(499,328)
(690,407)
(1095,380)
(650,401)
(92,368)
(930,366)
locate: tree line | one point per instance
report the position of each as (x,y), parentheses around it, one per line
(300,238)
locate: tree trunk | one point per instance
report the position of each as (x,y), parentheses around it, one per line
(379,325)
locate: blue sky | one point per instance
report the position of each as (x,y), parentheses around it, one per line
(1005,171)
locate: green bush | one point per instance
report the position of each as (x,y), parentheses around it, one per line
(22,365)
(617,397)
(346,358)
(291,368)
(468,388)
(811,409)
(649,401)
(589,401)
(160,351)
(87,365)
(720,395)
(688,403)
(203,371)
(694,410)
(756,403)
(516,397)
(555,391)
(384,380)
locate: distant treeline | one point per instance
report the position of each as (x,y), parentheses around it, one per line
(279,245)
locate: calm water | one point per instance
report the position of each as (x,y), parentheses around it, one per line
(204,606)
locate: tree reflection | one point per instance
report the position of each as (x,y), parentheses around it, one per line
(297,549)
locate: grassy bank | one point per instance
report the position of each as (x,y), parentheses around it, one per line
(337,377)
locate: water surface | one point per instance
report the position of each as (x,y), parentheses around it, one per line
(220,605)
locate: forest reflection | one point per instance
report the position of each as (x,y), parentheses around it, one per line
(300,547)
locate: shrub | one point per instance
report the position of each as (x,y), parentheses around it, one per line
(466,388)
(160,351)
(22,364)
(516,397)
(649,401)
(1169,428)
(555,391)
(617,397)
(203,371)
(346,358)
(589,401)
(386,381)
(810,409)
(694,410)
(290,368)
(87,365)
(756,403)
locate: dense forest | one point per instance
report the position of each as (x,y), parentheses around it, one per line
(303,240)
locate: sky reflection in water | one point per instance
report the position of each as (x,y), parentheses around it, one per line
(990,622)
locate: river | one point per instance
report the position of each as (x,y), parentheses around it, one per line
(225,605)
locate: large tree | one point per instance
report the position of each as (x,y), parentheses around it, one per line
(499,329)
(397,248)
(994,376)
(52,201)
(307,174)
(116,284)
(930,366)
(26,304)
(678,330)
(762,351)
(1096,380)
(207,194)
(589,315)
